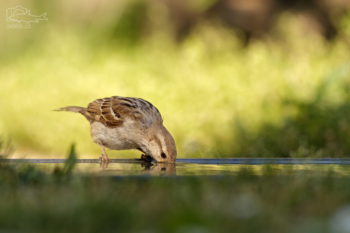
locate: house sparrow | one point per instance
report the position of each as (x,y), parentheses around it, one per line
(124,123)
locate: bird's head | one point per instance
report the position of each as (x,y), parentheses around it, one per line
(161,146)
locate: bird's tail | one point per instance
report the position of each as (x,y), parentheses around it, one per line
(72,109)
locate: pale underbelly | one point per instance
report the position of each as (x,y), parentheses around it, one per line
(119,138)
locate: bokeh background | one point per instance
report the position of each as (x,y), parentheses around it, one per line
(232,78)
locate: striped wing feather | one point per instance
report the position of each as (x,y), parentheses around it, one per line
(114,110)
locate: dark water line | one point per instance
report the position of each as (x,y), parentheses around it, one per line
(259,161)
(249,161)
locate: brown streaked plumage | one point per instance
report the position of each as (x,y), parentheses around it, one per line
(124,123)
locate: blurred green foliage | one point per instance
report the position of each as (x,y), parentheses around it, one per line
(33,201)
(69,164)
(6,147)
(319,127)
(128,30)
(218,99)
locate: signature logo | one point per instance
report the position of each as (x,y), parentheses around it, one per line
(20,14)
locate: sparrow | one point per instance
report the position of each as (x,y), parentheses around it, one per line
(125,123)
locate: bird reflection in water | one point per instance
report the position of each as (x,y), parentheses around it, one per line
(150,168)
(104,164)
(158,168)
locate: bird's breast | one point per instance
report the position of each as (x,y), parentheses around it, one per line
(125,137)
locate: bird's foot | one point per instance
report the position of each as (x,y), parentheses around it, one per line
(104,158)
(104,162)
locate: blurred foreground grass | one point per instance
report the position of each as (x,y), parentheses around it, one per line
(217,99)
(304,202)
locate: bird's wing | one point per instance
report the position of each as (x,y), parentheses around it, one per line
(114,110)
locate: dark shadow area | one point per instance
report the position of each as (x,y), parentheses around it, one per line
(255,18)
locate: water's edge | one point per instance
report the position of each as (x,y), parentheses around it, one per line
(249,161)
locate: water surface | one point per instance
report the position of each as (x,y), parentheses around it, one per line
(193,167)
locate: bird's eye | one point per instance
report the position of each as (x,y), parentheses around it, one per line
(163,155)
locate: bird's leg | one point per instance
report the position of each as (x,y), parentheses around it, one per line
(104,156)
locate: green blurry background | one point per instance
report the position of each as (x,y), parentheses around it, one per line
(223,90)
